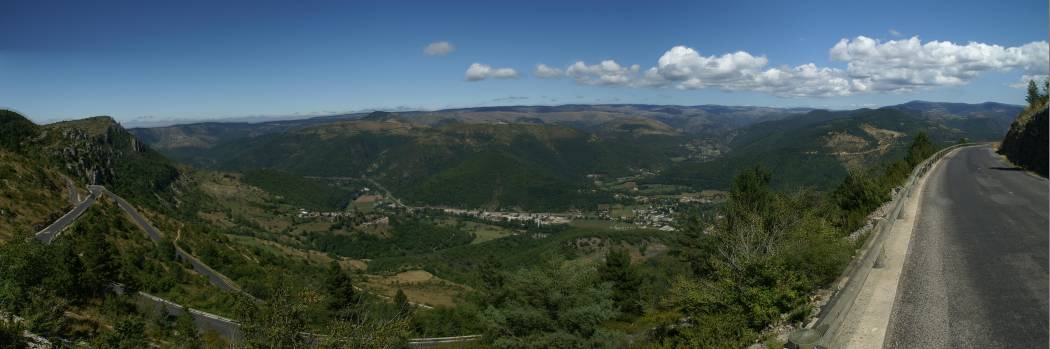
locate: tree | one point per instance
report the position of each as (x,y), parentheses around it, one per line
(11,334)
(490,271)
(128,333)
(921,148)
(278,323)
(1033,97)
(626,282)
(342,298)
(554,305)
(186,333)
(857,196)
(96,255)
(403,306)
(766,257)
(751,188)
(365,333)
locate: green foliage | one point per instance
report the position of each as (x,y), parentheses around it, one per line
(282,322)
(555,305)
(625,281)
(860,193)
(1033,97)
(532,167)
(409,236)
(342,298)
(278,323)
(366,333)
(186,331)
(796,148)
(401,300)
(11,334)
(32,283)
(858,196)
(299,191)
(446,322)
(15,129)
(128,333)
(921,148)
(750,190)
(771,255)
(463,263)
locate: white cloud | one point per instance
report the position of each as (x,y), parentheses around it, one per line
(895,33)
(439,48)
(871,66)
(902,65)
(682,63)
(608,72)
(547,72)
(1023,81)
(478,71)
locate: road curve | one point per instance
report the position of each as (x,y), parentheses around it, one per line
(51,232)
(976,271)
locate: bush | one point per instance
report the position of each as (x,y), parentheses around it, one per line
(555,305)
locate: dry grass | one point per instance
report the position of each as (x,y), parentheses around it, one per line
(419,286)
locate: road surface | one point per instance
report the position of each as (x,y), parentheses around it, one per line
(52,231)
(975,274)
(216,278)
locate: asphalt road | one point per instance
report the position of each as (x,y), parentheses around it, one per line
(50,232)
(216,278)
(225,327)
(976,273)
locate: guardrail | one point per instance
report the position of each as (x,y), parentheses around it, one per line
(423,343)
(826,330)
(226,327)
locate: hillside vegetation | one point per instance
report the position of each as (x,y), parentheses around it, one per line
(819,149)
(1026,143)
(546,158)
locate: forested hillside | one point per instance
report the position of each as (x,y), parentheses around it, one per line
(548,158)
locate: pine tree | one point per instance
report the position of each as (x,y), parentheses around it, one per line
(625,281)
(341,295)
(1033,94)
(402,302)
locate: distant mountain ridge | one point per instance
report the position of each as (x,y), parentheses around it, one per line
(701,119)
(706,119)
(541,158)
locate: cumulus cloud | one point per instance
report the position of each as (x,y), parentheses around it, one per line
(547,72)
(682,63)
(895,33)
(439,48)
(871,66)
(608,72)
(478,71)
(1023,82)
(901,65)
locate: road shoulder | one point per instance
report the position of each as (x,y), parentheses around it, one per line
(866,325)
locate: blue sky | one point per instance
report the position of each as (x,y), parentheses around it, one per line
(146,60)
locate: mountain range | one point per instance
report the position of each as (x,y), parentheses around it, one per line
(545,158)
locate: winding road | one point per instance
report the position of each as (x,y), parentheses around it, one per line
(976,270)
(216,278)
(225,327)
(51,232)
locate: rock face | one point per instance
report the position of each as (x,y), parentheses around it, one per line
(1027,142)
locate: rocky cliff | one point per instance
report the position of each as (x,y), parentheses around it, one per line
(1027,142)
